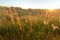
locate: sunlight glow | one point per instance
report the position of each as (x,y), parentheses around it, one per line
(51,9)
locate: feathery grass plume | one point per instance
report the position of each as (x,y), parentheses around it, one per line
(54,27)
(30,19)
(9,14)
(18,18)
(46,22)
(26,18)
(46,13)
(4,13)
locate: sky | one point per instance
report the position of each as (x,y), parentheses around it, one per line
(42,4)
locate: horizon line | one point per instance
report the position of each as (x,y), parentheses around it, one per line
(28,7)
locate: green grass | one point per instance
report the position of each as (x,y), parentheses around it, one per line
(40,31)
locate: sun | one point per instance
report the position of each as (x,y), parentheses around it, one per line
(51,9)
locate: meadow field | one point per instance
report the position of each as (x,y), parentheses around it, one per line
(29,24)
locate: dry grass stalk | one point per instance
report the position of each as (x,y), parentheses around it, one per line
(18,18)
(30,19)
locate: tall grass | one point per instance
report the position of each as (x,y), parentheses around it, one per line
(27,27)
